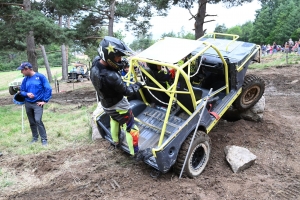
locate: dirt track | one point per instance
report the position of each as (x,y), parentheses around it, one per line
(93,172)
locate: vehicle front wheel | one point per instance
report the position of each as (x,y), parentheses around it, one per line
(253,89)
(11,90)
(198,156)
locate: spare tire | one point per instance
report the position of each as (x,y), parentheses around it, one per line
(252,90)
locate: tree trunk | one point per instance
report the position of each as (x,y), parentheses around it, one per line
(111,18)
(67,47)
(46,63)
(200,19)
(64,68)
(31,54)
(64,63)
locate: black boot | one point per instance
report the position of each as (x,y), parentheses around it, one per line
(142,155)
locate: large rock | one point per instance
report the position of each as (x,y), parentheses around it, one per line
(255,113)
(95,132)
(239,158)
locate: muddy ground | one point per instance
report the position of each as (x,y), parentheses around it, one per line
(93,172)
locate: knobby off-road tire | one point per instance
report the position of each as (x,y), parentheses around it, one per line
(198,156)
(253,89)
(12,91)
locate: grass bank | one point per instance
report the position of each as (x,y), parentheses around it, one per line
(66,125)
(277,59)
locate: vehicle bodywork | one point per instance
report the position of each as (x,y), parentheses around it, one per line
(14,86)
(167,117)
(78,73)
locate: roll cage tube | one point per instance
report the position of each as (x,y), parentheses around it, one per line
(172,90)
(234,37)
(240,68)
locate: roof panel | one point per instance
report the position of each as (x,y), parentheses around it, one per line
(170,50)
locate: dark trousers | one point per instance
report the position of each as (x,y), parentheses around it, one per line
(34,114)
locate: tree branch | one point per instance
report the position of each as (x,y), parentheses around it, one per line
(12,4)
(209,21)
(193,16)
(92,37)
(210,15)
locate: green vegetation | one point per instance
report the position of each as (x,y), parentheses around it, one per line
(278,59)
(66,125)
(5,178)
(275,22)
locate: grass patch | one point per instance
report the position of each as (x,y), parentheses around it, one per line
(66,125)
(5,178)
(278,59)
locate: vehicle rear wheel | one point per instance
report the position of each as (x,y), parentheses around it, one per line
(11,90)
(253,89)
(198,156)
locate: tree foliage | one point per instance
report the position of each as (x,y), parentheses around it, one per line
(276,21)
(220,28)
(142,43)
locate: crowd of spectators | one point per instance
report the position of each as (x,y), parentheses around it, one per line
(288,47)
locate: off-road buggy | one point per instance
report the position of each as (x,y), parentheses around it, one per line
(169,120)
(79,73)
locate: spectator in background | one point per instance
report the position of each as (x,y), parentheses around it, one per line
(286,47)
(274,47)
(268,48)
(263,49)
(298,47)
(295,47)
(291,44)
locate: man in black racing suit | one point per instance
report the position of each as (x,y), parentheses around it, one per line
(111,90)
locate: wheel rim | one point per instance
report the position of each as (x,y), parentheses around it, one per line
(198,157)
(251,95)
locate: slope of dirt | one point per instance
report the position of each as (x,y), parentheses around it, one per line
(93,172)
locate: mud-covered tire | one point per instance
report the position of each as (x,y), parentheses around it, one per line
(253,89)
(11,90)
(198,156)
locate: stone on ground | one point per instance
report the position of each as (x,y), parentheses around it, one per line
(256,112)
(239,158)
(95,132)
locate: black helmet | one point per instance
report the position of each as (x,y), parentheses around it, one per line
(125,63)
(110,47)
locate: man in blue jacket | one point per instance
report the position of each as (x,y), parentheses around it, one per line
(37,92)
